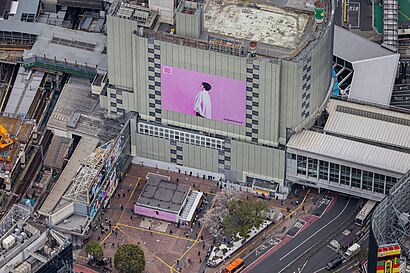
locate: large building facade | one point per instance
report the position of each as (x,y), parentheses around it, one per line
(262,92)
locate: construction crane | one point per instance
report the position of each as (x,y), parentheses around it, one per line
(5,141)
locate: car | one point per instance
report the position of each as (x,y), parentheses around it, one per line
(336,262)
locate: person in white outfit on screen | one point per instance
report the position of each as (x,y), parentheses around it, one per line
(202,104)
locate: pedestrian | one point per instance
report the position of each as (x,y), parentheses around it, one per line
(123,195)
(113,244)
(118,244)
(122,207)
(110,225)
(199,253)
(203,246)
(131,217)
(119,195)
(200,260)
(151,233)
(129,190)
(170,231)
(105,245)
(189,261)
(116,233)
(99,238)
(202,237)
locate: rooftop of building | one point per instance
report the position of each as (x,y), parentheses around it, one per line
(361,133)
(16,126)
(77,110)
(263,23)
(368,69)
(61,44)
(27,245)
(282,29)
(24,90)
(163,195)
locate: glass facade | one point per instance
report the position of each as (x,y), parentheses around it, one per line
(367,180)
(356,178)
(379,181)
(345,175)
(312,167)
(301,163)
(334,172)
(324,170)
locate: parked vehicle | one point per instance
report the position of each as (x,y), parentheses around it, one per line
(334,263)
(352,251)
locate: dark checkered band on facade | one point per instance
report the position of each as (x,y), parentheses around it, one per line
(116,104)
(154,80)
(176,153)
(307,67)
(224,157)
(252,100)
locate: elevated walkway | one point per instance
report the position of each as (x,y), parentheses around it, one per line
(84,148)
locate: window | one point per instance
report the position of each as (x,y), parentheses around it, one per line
(291,156)
(324,170)
(312,167)
(301,164)
(345,175)
(379,181)
(367,180)
(390,181)
(181,136)
(334,172)
(356,177)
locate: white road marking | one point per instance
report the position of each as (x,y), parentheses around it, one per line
(319,230)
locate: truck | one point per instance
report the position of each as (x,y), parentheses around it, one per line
(352,251)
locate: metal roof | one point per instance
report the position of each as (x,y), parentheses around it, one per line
(350,151)
(368,123)
(44,47)
(374,66)
(84,148)
(24,90)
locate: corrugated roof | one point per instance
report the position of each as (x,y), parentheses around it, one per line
(350,151)
(383,128)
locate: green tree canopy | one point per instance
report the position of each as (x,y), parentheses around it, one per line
(93,248)
(129,259)
(243,215)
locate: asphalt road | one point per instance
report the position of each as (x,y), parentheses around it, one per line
(317,263)
(359,14)
(401,96)
(301,244)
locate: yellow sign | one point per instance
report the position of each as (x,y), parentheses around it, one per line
(388,267)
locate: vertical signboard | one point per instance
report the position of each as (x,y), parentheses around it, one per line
(388,259)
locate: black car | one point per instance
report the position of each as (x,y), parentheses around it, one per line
(334,263)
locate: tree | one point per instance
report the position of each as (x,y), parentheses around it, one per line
(233,214)
(94,249)
(129,259)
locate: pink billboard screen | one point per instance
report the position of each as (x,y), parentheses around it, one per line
(203,95)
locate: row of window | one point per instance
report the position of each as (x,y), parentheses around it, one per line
(189,138)
(344,175)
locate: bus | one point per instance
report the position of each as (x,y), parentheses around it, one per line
(365,212)
(235,266)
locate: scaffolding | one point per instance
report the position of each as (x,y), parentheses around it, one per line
(391,218)
(81,184)
(15,214)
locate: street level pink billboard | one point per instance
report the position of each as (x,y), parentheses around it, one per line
(203,95)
